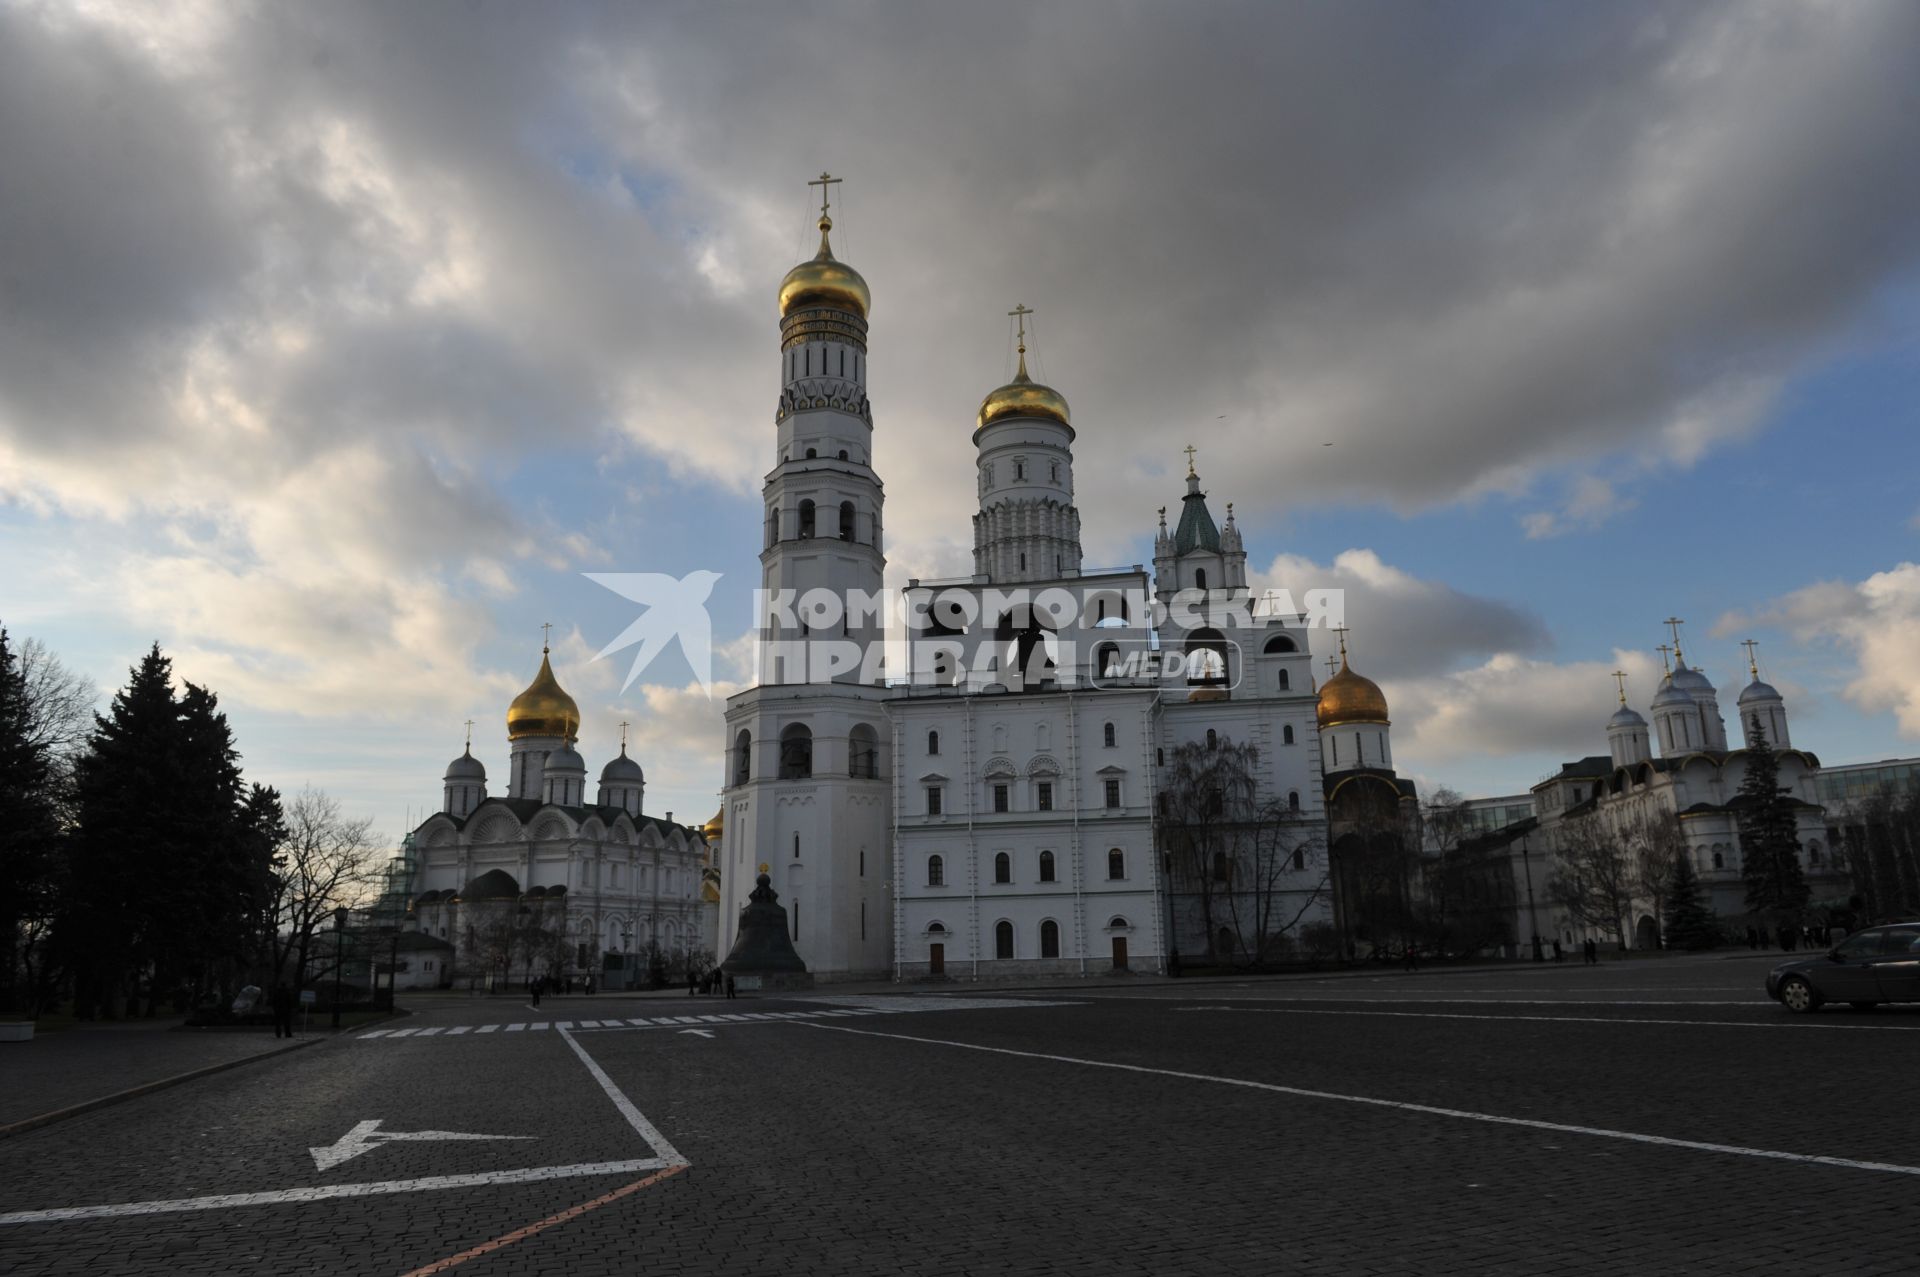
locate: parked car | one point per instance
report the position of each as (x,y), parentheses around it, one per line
(1878,964)
(248,999)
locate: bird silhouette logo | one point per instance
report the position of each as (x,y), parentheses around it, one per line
(676,608)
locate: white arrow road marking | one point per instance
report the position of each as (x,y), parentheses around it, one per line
(704,1033)
(367,1136)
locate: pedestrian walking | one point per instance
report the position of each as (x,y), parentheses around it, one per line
(693,982)
(533,992)
(282,1010)
(1558,956)
(1590,952)
(730,992)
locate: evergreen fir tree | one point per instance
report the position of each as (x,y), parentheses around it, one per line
(1690,924)
(1769,838)
(129,844)
(29,830)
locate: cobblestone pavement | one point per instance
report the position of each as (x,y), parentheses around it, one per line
(1562,1120)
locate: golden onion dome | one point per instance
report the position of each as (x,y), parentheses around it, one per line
(716,826)
(1024,397)
(1351,698)
(824,281)
(544,709)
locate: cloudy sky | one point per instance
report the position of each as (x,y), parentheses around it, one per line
(337,342)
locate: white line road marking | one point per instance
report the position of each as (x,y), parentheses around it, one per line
(705,1033)
(1495,1119)
(516,1028)
(639,1023)
(538,1026)
(427,1033)
(401,1033)
(669,1155)
(1533,1002)
(562,1025)
(364,1137)
(488,1028)
(377,1033)
(484,1179)
(459,1029)
(1565,1019)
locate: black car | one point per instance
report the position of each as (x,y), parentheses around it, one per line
(1879,964)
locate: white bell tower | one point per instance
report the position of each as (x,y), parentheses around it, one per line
(806,748)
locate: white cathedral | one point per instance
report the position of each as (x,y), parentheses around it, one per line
(541,881)
(929,824)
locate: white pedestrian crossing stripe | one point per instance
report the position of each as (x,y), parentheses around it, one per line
(832,1006)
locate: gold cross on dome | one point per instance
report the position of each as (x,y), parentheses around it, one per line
(1752,664)
(1664,651)
(826,182)
(1674,623)
(1620,680)
(469,733)
(623,735)
(1190,450)
(546,635)
(1333,666)
(1342,631)
(1019,314)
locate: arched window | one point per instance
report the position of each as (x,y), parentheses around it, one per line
(936,871)
(1003,940)
(1002,867)
(806,519)
(846,520)
(1719,860)
(811,454)
(1049,939)
(1293,800)
(1205,651)
(1200,578)
(936,928)
(773,524)
(1106,661)
(1213,739)
(1106,735)
(1813,852)
(1279,643)
(863,753)
(796,752)
(1046,866)
(1286,734)
(1116,864)
(1286,683)
(1299,857)
(933,742)
(742,757)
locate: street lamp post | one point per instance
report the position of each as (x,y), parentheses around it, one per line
(1533,917)
(339,949)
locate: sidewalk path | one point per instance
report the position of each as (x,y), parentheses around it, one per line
(91,1062)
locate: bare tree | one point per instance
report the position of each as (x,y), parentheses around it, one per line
(1593,880)
(1656,843)
(60,701)
(324,862)
(1278,874)
(1209,789)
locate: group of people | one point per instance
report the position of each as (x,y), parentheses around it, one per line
(711,984)
(1589,952)
(1791,937)
(555,984)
